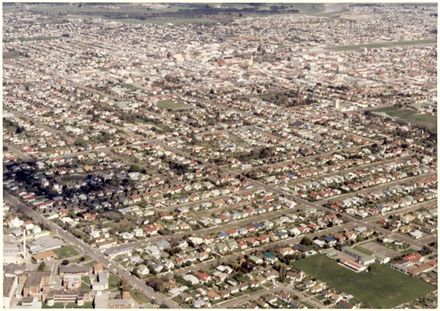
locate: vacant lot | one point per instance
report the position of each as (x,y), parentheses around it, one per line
(375,45)
(426,121)
(66,251)
(382,287)
(375,247)
(363,250)
(171,105)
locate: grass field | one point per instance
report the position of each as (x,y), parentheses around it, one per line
(171,105)
(113,282)
(87,305)
(382,287)
(426,121)
(139,297)
(382,44)
(70,305)
(11,54)
(85,283)
(57,305)
(363,250)
(91,263)
(66,251)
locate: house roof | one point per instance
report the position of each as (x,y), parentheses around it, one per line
(44,255)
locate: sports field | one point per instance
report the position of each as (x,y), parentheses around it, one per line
(171,105)
(382,287)
(66,251)
(421,120)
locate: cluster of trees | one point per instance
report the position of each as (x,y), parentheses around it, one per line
(80,142)
(287,99)
(134,168)
(186,11)
(257,153)
(179,169)
(159,284)
(13,125)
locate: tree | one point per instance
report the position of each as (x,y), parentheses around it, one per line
(124,286)
(42,266)
(306,241)
(80,142)
(283,273)
(72,214)
(134,168)
(19,130)
(425,250)
(65,262)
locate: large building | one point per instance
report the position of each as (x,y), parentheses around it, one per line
(36,283)
(359,256)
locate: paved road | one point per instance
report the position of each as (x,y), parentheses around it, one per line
(376,187)
(149,292)
(235,303)
(411,208)
(351,219)
(350,169)
(290,161)
(205,265)
(19,153)
(202,232)
(86,249)
(365,223)
(308,299)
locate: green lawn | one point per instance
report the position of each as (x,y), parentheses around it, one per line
(70,305)
(87,305)
(66,251)
(421,120)
(169,104)
(113,282)
(57,305)
(85,283)
(139,297)
(382,287)
(376,45)
(308,305)
(91,263)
